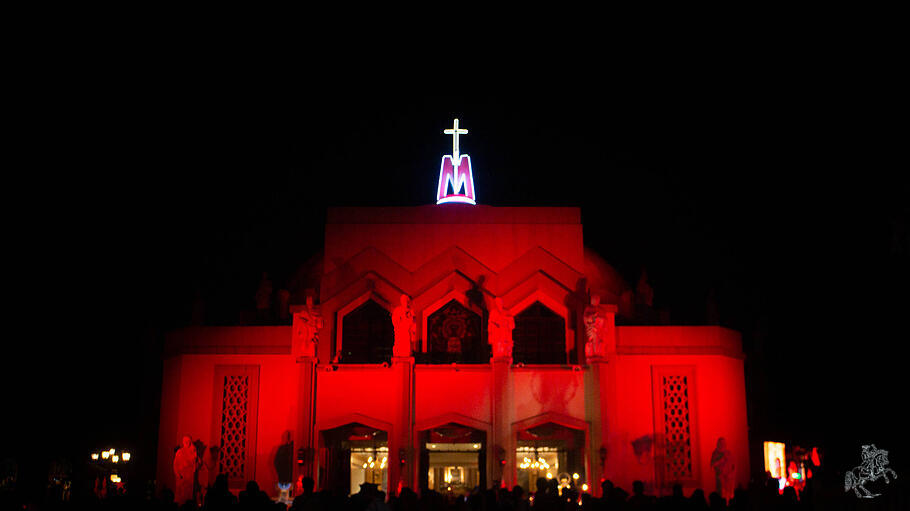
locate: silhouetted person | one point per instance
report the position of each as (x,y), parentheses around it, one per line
(639,500)
(716,502)
(219,497)
(790,501)
(167,500)
(307,499)
(519,500)
(544,499)
(253,497)
(697,500)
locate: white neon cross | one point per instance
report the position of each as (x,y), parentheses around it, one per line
(455,131)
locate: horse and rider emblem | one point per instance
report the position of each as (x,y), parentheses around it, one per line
(873,467)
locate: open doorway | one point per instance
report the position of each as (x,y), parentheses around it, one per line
(551,451)
(452,459)
(354,454)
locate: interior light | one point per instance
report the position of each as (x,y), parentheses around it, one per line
(584,487)
(126,456)
(549,475)
(106,454)
(94,455)
(575,475)
(115,458)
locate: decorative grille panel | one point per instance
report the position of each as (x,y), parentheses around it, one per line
(234,418)
(677,430)
(234,421)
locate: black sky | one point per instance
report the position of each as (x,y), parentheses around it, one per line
(780,186)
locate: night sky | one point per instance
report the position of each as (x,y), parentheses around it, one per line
(779,191)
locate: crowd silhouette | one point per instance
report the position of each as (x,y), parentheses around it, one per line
(762,495)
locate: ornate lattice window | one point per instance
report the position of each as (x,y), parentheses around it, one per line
(235,420)
(674,423)
(539,336)
(453,335)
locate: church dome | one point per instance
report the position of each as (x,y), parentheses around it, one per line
(603,279)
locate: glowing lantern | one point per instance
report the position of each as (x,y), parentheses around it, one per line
(106,454)
(94,455)
(115,458)
(126,456)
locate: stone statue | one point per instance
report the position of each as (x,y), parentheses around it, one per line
(264,293)
(307,323)
(500,327)
(284,298)
(595,320)
(186,462)
(405,328)
(264,298)
(644,293)
(722,463)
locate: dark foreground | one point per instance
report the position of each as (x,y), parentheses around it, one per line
(758,497)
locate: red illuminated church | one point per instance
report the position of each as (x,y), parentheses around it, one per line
(454,345)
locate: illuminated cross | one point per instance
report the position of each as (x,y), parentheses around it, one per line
(455,131)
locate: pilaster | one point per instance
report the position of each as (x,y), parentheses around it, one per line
(502,445)
(304,437)
(402,458)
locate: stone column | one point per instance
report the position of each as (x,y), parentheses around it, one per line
(600,406)
(502,445)
(401,438)
(305,436)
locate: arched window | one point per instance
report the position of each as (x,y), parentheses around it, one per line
(367,335)
(539,336)
(453,335)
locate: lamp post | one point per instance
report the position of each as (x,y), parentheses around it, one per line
(112,465)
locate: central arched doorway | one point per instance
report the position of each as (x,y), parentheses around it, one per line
(551,451)
(452,459)
(353,454)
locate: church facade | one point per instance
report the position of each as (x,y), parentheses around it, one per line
(453,345)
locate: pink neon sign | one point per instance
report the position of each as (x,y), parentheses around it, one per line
(455,169)
(459,177)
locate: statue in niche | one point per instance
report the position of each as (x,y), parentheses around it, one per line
(186,462)
(722,463)
(500,327)
(644,293)
(284,298)
(307,323)
(595,319)
(405,328)
(264,298)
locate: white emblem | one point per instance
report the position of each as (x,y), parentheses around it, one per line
(873,467)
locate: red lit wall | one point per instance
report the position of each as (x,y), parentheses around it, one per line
(189,410)
(435,254)
(719,395)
